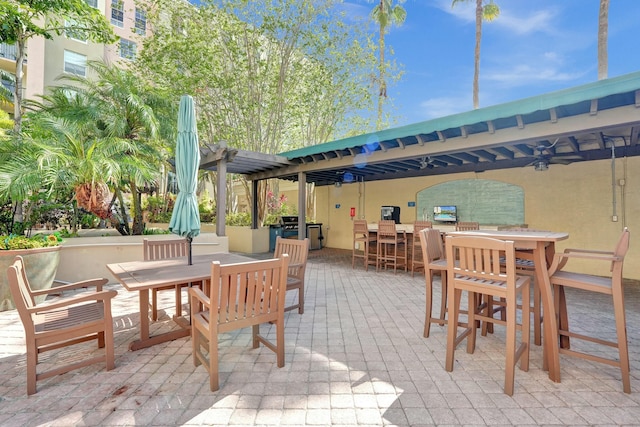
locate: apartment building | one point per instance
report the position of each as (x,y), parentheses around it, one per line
(47,60)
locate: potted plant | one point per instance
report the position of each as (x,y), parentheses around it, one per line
(41,255)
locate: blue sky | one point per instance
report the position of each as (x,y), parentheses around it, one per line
(534,47)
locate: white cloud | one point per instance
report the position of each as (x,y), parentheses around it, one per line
(540,21)
(523,74)
(444,106)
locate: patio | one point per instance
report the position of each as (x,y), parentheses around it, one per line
(356,357)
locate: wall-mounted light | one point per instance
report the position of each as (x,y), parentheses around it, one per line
(337,184)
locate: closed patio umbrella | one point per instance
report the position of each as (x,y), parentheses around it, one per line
(185,219)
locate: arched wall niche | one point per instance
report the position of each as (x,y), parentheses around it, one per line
(485,201)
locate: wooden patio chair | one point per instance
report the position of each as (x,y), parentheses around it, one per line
(298,251)
(63,322)
(474,264)
(467,225)
(613,286)
(391,246)
(164,249)
(242,295)
(417,260)
(366,241)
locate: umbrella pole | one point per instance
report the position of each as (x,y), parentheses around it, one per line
(189,239)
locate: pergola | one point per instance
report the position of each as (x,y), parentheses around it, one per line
(591,122)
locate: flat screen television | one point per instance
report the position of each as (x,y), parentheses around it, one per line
(445,213)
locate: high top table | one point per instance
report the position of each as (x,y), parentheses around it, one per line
(543,245)
(141,276)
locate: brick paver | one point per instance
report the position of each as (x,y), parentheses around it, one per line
(356,357)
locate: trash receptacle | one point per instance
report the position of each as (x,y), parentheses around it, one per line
(275,230)
(314,233)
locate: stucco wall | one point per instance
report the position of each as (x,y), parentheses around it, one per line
(576,198)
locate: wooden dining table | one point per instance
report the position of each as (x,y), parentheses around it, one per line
(142,276)
(543,245)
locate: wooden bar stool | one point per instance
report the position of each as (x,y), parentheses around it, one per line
(366,241)
(417,260)
(467,225)
(474,264)
(392,246)
(612,286)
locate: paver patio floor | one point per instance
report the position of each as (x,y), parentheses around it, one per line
(356,357)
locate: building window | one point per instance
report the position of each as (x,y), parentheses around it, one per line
(75,63)
(127,49)
(117,13)
(92,3)
(74,33)
(141,22)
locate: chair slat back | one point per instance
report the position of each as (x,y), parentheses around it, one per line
(481,258)
(246,292)
(467,225)
(387,228)
(164,249)
(417,227)
(360,226)
(298,251)
(431,243)
(21,291)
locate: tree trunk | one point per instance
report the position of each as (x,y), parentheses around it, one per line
(476,71)
(137,227)
(603,33)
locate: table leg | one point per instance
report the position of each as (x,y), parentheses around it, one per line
(146,340)
(550,323)
(144,314)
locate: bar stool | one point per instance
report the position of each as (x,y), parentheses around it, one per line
(417,261)
(391,247)
(363,238)
(467,225)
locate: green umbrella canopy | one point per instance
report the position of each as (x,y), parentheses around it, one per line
(185,219)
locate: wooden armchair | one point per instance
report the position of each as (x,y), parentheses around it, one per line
(164,249)
(243,294)
(298,251)
(66,321)
(561,279)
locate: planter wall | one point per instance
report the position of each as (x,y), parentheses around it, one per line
(86,257)
(247,240)
(41,266)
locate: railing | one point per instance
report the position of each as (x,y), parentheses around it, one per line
(8,51)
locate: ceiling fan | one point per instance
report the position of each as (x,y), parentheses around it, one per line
(426,162)
(547,156)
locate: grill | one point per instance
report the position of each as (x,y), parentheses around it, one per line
(289,226)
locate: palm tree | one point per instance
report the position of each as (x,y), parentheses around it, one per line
(385,14)
(92,136)
(603,30)
(484,12)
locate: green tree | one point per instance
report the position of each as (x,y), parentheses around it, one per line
(89,136)
(484,12)
(5,123)
(266,77)
(385,14)
(25,19)
(603,32)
